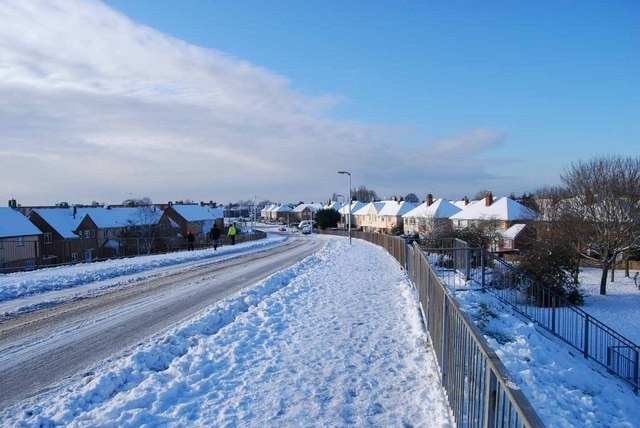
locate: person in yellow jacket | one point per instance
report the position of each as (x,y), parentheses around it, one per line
(232,233)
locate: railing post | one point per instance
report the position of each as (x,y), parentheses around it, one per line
(492,400)
(445,327)
(635,371)
(554,306)
(467,274)
(482,268)
(586,335)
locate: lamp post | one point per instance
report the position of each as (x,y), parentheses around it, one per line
(349,228)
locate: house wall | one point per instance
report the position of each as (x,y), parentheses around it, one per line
(87,247)
(18,252)
(54,248)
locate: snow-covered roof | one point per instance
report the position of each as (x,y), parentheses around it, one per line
(463,203)
(333,205)
(502,209)
(116,217)
(367,208)
(14,224)
(199,212)
(355,206)
(61,220)
(396,208)
(440,208)
(311,207)
(513,231)
(283,209)
(269,208)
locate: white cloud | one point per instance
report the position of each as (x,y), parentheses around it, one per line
(94,107)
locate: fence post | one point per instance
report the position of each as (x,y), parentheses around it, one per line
(586,335)
(635,370)
(445,327)
(492,400)
(482,268)
(554,306)
(467,274)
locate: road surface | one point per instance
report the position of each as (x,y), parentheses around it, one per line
(40,348)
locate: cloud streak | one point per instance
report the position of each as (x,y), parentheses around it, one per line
(95,107)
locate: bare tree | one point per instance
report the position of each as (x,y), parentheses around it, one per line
(602,215)
(143,225)
(363,194)
(412,197)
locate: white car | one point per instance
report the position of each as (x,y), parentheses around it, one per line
(307,230)
(306,223)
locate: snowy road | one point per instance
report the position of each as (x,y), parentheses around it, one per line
(39,348)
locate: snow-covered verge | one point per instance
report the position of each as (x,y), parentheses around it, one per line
(335,340)
(565,389)
(21,291)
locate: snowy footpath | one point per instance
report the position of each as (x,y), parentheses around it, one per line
(336,340)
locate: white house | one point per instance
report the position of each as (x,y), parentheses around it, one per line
(429,217)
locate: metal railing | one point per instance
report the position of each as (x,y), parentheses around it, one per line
(480,390)
(475,267)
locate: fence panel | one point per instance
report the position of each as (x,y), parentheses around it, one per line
(482,269)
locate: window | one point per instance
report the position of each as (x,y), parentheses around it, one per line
(87,234)
(105,233)
(29,264)
(1,244)
(74,257)
(48,237)
(20,241)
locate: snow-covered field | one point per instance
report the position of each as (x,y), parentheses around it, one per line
(334,340)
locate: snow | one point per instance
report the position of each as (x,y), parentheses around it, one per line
(501,209)
(14,224)
(334,340)
(562,386)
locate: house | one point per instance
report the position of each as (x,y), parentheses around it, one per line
(499,215)
(19,240)
(382,216)
(431,218)
(265,213)
(60,244)
(199,218)
(282,213)
(117,231)
(344,214)
(305,211)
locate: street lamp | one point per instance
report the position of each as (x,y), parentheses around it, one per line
(349,174)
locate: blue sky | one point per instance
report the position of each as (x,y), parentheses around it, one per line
(228,100)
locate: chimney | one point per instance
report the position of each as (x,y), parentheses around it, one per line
(12,204)
(488,199)
(466,201)
(429,199)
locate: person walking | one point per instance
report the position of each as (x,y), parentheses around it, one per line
(190,240)
(232,233)
(215,236)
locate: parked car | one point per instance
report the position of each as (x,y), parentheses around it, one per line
(307,230)
(305,223)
